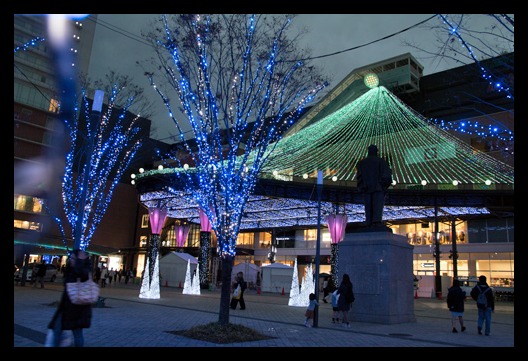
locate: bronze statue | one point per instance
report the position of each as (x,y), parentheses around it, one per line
(374,176)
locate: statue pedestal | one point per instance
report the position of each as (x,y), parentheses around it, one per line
(380,267)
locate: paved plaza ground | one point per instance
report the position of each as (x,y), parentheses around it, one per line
(128,321)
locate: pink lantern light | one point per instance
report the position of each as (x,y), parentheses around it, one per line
(181,234)
(157,217)
(204,221)
(336,226)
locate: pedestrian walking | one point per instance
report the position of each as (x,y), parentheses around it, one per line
(239,281)
(483,294)
(310,310)
(97,274)
(69,316)
(111,276)
(104,277)
(346,298)
(40,273)
(326,290)
(455,302)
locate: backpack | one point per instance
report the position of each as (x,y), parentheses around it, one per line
(482,300)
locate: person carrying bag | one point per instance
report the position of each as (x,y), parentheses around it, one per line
(70,316)
(238,293)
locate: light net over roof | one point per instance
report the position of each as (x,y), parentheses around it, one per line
(416,150)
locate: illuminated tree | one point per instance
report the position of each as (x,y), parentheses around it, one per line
(239,89)
(101,149)
(294,289)
(99,146)
(307,287)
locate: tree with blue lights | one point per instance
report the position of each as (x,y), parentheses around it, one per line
(98,145)
(101,147)
(239,88)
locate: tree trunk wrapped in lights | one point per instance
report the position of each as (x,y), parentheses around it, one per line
(205,248)
(150,284)
(336,226)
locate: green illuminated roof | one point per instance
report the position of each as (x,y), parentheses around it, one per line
(416,150)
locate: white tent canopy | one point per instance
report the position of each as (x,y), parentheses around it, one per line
(250,271)
(173,267)
(276,277)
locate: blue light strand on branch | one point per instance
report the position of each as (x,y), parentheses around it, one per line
(474,128)
(31,43)
(495,81)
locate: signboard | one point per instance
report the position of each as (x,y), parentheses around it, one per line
(433,152)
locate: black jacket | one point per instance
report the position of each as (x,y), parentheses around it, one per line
(346,296)
(74,316)
(455,299)
(240,281)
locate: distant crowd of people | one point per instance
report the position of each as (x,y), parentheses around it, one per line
(103,276)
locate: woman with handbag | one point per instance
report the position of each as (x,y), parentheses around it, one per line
(238,294)
(69,316)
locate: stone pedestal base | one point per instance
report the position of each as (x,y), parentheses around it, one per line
(380,267)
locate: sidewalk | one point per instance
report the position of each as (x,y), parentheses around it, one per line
(129,321)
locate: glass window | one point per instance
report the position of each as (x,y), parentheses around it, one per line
(193,239)
(145,221)
(32,226)
(497,230)
(246,239)
(27,204)
(477,231)
(310,234)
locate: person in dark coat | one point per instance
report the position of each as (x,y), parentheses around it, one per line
(346,297)
(455,303)
(69,316)
(484,314)
(374,177)
(41,273)
(243,285)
